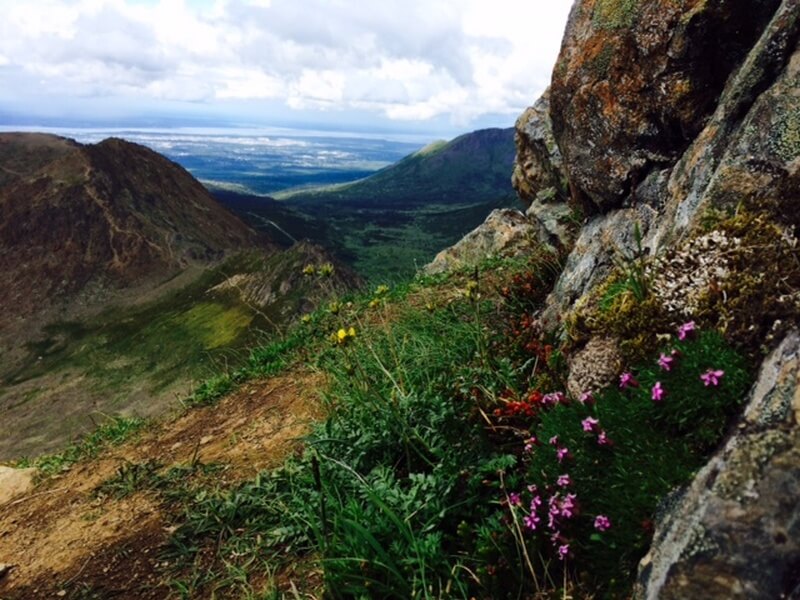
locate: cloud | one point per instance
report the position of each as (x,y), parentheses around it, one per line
(401,59)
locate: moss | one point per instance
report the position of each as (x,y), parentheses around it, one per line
(612,310)
(615,14)
(215,324)
(601,63)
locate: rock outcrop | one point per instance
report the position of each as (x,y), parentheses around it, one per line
(735,533)
(539,170)
(506,232)
(749,148)
(636,81)
(668,118)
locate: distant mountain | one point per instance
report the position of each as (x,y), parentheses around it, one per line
(122,282)
(388,224)
(468,169)
(110,215)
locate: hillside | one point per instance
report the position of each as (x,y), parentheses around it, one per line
(393,222)
(466,170)
(612,413)
(112,215)
(124,280)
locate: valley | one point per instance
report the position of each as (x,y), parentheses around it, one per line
(393,222)
(125,284)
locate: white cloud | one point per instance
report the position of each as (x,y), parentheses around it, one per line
(403,59)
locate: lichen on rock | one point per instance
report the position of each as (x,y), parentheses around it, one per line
(612,124)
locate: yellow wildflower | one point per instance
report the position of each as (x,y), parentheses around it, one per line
(345,335)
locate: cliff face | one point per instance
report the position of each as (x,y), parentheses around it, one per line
(671,131)
(673,120)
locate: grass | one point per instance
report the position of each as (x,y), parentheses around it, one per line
(406,489)
(146,355)
(403,491)
(656,447)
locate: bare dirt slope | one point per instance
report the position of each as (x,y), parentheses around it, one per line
(64,539)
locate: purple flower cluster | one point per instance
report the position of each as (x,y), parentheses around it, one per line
(711,377)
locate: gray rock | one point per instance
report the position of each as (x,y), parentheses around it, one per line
(594,367)
(506,232)
(593,255)
(735,533)
(634,85)
(538,169)
(749,148)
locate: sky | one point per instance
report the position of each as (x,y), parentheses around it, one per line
(369,65)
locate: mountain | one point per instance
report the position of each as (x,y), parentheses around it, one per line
(122,281)
(468,169)
(110,215)
(388,224)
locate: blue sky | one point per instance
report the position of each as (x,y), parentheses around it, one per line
(439,66)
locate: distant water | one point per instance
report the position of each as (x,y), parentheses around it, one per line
(263,160)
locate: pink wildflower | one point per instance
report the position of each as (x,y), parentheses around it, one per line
(589,424)
(514,499)
(562,453)
(563,551)
(531,521)
(568,507)
(587,398)
(531,443)
(553,512)
(666,362)
(602,523)
(627,380)
(603,440)
(554,440)
(712,377)
(554,398)
(564,481)
(536,502)
(658,392)
(532,488)
(687,329)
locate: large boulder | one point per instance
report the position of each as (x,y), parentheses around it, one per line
(735,533)
(636,81)
(539,174)
(748,152)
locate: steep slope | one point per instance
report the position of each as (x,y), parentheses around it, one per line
(394,221)
(122,282)
(113,215)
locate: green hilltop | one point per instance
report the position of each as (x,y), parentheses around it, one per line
(394,221)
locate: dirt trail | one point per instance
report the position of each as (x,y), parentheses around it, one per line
(66,542)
